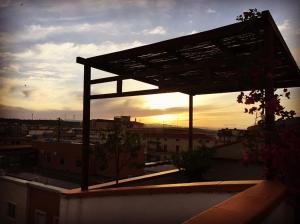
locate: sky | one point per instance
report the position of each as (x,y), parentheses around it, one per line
(40,40)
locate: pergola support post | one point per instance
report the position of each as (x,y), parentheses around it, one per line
(119,86)
(190,122)
(86,129)
(269,93)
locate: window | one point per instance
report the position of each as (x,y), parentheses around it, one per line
(165,148)
(40,217)
(62,161)
(177,148)
(11,210)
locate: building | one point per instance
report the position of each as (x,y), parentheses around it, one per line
(17,157)
(21,202)
(65,158)
(15,131)
(162,143)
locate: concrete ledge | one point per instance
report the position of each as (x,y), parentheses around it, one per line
(33,184)
(249,206)
(14,180)
(46,187)
(127,181)
(215,186)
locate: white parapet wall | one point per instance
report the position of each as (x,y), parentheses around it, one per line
(168,203)
(137,208)
(13,191)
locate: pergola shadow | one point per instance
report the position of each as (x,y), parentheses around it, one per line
(216,61)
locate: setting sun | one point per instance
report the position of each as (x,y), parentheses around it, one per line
(168,100)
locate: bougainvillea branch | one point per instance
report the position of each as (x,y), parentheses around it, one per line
(275,146)
(257,101)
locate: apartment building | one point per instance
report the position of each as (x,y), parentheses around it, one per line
(162,143)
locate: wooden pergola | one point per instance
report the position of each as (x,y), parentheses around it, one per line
(215,61)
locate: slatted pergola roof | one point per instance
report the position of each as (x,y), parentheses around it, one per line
(214,61)
(226,59)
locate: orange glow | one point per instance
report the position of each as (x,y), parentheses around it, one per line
(161,119)
(168,100)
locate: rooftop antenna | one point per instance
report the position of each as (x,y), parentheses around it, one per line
(58,130)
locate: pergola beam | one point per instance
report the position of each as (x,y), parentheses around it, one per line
(121,74)
(107,79)
(197,89)
(131,93)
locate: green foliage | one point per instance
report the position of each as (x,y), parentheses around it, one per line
(250,15)
(195,162)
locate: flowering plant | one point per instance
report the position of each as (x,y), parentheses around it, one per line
(275,144)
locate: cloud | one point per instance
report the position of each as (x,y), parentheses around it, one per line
(67,51)
(103,5)
(159,30)
(291,30)
(51,71)
(108,108)
(27,93)
(138,107)
(286,25)
(23,113)
(210,11)
(56,61)
(4,3)
(36,32)
(193,32)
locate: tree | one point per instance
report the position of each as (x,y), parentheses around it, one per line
(120,145)
(194,163)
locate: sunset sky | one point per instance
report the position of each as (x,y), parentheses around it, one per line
(40,40)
